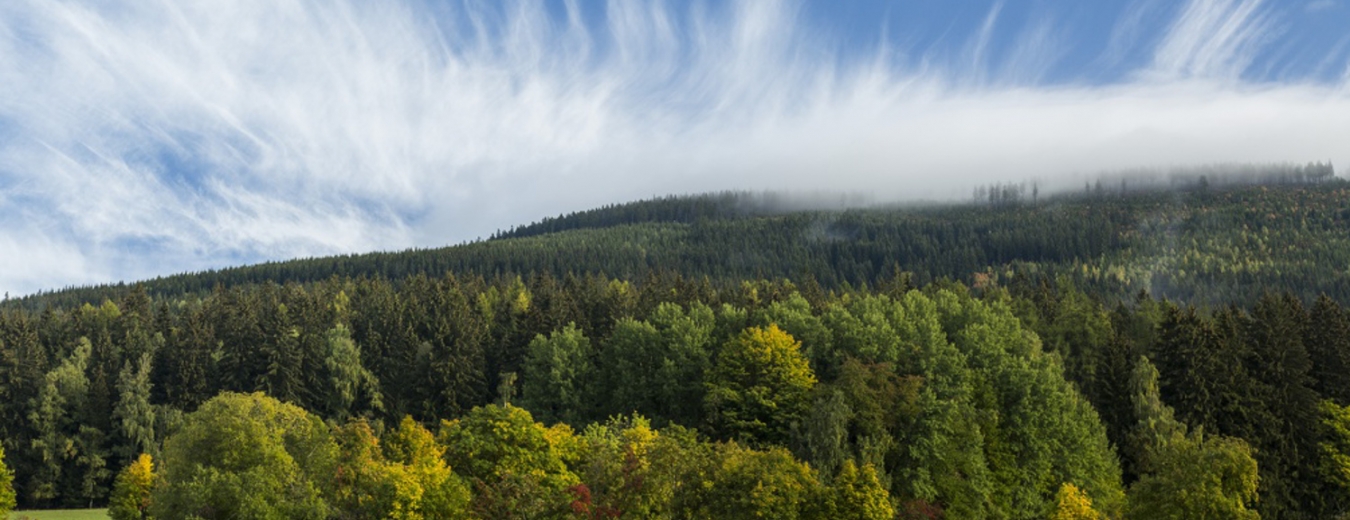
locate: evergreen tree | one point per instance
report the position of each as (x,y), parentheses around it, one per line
(1328,343)
(1287,445)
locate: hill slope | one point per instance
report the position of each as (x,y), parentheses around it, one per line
(1199,245)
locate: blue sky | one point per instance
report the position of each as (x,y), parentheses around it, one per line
(153,137)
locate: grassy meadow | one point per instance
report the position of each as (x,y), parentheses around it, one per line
(61,514)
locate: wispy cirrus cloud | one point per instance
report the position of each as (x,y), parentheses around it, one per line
(145,138)
(1216,39)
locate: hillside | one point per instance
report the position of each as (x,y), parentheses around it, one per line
(761,344)
(1200,245)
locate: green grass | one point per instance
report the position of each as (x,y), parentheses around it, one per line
(62,514)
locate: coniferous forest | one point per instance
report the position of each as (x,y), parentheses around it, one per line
(1120,352)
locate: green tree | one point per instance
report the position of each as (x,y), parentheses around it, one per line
(629,361)
(1155,423)
(130,499)
(686,341)
(795,317)
(349,382)
(760,385)
(1186,476)
(557,369)
(246,456)
(823,438)
(134,414)
(56,423)
(517,466)
(1335,451)
(629,469)
(1037,430)
(751,484)
(1196,477)
(1328,342)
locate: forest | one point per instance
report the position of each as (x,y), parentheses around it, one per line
(1226,240)
(592,397)
(1139,354)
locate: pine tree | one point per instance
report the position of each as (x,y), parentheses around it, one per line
(1287,445)
(1328,343)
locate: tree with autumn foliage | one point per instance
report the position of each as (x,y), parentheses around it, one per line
(856,494)
(402,477)
(7,498)
(130,498)
(1072,503)
(1335,448)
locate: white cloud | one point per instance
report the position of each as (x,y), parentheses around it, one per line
(316,127)
(1213,39)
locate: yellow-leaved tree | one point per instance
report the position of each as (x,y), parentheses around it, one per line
(131,491)
(7,500)
(1072,503)
(856,494)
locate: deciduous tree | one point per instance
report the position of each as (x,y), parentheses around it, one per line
(246,456)
(760,384)
(130,499)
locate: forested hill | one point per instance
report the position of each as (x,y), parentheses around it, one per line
(688,209)
(1204,243)
(830,382)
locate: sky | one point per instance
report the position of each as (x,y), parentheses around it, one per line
(142,138)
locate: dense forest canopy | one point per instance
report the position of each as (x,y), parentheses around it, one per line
(1131,354)
(946,401)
